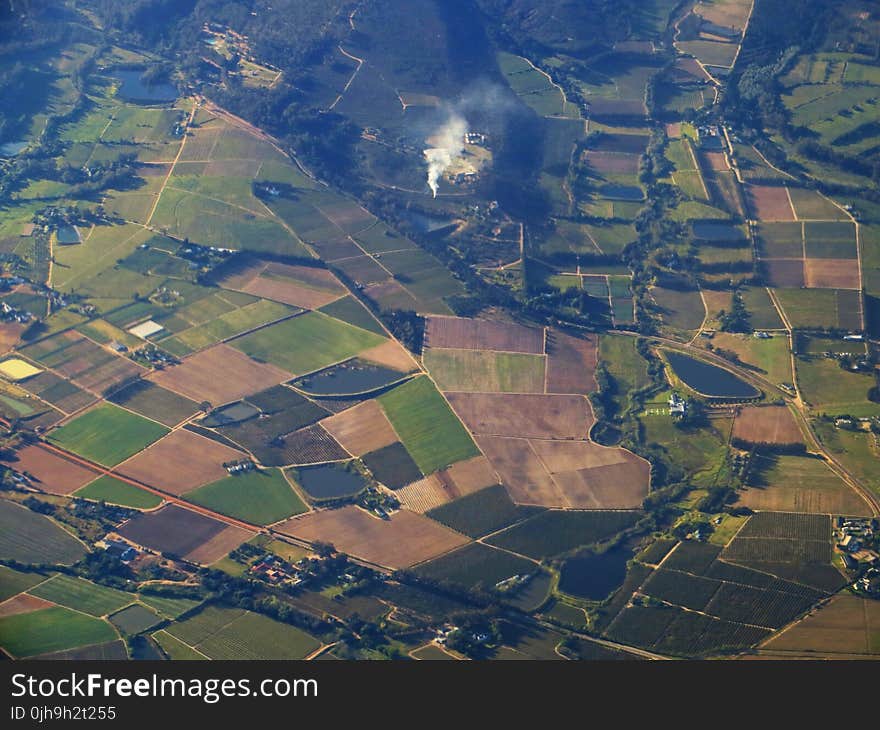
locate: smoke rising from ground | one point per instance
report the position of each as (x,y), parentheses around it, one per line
(448,141)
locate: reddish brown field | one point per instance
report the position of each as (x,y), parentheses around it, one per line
(716,160)
(673,130)
(846,625)
(51,472)
(600,108)
(10,333)
(832,273)
(468,476)
(476,334)
(298,286)
(22,603)
(181,461)
(613,162)
(784,272)
(106,377)
(219,545)
(390,354)
(524,415)
(769,203)
(403,540)
(766,425)
(568,474)
(571,363)
(218,375)
(361,429)
(522,472)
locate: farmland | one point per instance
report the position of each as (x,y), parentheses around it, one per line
(88,435)
(82,595)
(476,564)
(51,629)
(428,428)
(114,491)
(33,538)
(258,497)
(224,633)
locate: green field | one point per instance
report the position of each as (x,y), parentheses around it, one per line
(828,387)
(306,343)
(554,532)
(108,489)
(483,371)
(481,512)
(13,582)
(32,538)
(107,434)
(51,629)
(176,649)
(625,366)
(223,633)
(476,565)
(679,309)
(348,309)
(769,356)
(260,497)
(858,451)
(431,432)
(82,595)
(169,606)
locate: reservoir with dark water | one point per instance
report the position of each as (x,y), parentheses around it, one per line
(594,575)
(134,89)
(709,379)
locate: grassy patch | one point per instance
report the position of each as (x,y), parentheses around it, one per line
(260,497)
(114,491)
(431,432)
(82,595)
(51,629)
(108,434)
(306,343)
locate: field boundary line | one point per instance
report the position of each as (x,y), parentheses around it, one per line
(189,122)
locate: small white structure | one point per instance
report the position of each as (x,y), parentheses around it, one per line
(146,329)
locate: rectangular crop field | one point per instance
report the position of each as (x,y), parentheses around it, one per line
(50,630)
(82,595)
(107,434)
(259,497)
(485,371)
(31,538)
(431,432)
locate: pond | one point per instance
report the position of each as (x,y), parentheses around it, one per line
(134,89)
(233,413)
(709,379)
(622,192)
(348,378)
(707,231)
(593,576)
(329,481)
(68,235)
(11,149)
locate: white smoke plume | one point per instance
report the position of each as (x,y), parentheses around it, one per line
(448,146)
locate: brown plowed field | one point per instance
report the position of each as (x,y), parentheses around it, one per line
(578,474)
(218,375)
(172,529)
(23,603)
(769,203)
(468,476)
(832,273)
(299,286)
(399,542)
(361,429)
(571,363)
(10,333)
(786,273)
(522,472)
(424,494)
(613,162)
(477,334)
(716,160)
(767,425)
(214,548)
(524,415)
(833,498)
(52,473)
(181,461)
(390,354)
(847,625)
